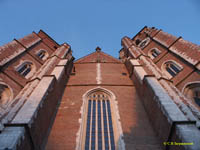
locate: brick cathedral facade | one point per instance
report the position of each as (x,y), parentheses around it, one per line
(149,98)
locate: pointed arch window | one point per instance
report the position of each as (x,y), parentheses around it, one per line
(25,69)
(171,68)
(42,54)
(153,53)
(192,91)
(100,129)
(99,126)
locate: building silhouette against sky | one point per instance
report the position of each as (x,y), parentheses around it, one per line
(149,98)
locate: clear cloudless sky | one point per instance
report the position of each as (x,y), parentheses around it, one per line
(85,24)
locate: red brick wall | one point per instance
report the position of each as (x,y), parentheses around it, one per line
(12,84)
(40,46)
(192,77)
(165,38)
(152,45)
(85,74)
(47,40)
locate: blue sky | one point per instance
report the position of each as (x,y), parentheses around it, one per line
(85,24)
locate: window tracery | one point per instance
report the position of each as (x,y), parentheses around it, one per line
(26,69)
(42,54)
(153,53)
(100,129)
(171,68)
(144,43)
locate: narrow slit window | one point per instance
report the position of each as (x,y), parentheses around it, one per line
(112,141)
(87,140)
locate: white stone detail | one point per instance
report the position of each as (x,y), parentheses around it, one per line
(63,62)
(140,73)
(98,78)
(58,72)
(134,62)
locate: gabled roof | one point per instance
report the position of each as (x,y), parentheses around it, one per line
(98,56)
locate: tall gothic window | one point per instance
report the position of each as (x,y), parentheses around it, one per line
(25,68)
(42,54)
(153,53)
(100,127)
(171,68)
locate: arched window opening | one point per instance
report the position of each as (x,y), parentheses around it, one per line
(100,130)
(5,94)
(42,54)
(153,53)
(171,68)
(25,69)
(144,43)
(192,91)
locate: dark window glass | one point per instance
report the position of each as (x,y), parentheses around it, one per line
(197,100)
(137,41)
(170,72)
(174,68)
(99,119)
(110,127)
(24,70)
(106,140)
(155,53)
(86,147)
(41,54)
(88,127)
(197,97)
